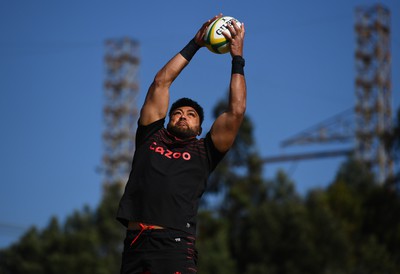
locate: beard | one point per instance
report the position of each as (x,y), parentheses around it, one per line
(180,132)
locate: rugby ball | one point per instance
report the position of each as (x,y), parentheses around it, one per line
(214,40)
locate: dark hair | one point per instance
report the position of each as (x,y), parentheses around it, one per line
(186,102)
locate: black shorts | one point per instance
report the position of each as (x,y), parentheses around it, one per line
(159,251)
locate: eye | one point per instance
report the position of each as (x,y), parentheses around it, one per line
(192,114)
(176,112)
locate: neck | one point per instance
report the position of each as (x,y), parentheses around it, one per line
(179,137)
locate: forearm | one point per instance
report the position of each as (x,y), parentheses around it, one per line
(238,91)
(226,126)
(157,99)
(174,67)
(170,71)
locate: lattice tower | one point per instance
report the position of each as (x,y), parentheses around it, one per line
(373,109)
(120,111)
(371,121)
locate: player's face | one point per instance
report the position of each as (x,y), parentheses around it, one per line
(184,123)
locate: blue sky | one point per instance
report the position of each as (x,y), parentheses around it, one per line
(299,69)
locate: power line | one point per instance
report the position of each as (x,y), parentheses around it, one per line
(11,230)
(12,227)
(30,48)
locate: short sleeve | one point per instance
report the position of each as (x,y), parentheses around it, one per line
(214,155)
(144,132)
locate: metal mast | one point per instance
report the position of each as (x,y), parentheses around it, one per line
(337,129)
(120,110)
(372,119)
(373,88)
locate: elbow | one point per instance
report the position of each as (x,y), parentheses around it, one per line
(160,80)
(240,107)
(239,110)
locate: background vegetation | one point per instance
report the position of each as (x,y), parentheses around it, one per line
(247,224)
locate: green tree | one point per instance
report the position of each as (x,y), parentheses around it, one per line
(366,214)
(330,241)
(88,242)
(234,189)
(392,139)
(247,224)
(212,243)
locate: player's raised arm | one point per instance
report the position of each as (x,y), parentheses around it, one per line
(226,126)
(156,102)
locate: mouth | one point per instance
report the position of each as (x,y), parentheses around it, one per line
(181,124)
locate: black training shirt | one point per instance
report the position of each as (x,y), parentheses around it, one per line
(168,178)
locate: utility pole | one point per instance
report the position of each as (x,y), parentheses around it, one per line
(373,108)
(121,87)
(371,120)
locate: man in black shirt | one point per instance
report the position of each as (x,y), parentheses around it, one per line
(171,166)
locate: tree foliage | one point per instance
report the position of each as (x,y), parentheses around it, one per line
(247,224)
(88,242)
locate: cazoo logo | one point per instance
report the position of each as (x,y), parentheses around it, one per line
(168,153)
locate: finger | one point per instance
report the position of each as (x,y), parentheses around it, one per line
(227,35)
(235,26)
(218,16)
(206,24)
(232,30)
(242,29)
(204,27)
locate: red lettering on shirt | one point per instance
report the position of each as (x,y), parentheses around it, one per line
(176,155)
(186,156)
(168,153)
(160,150)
